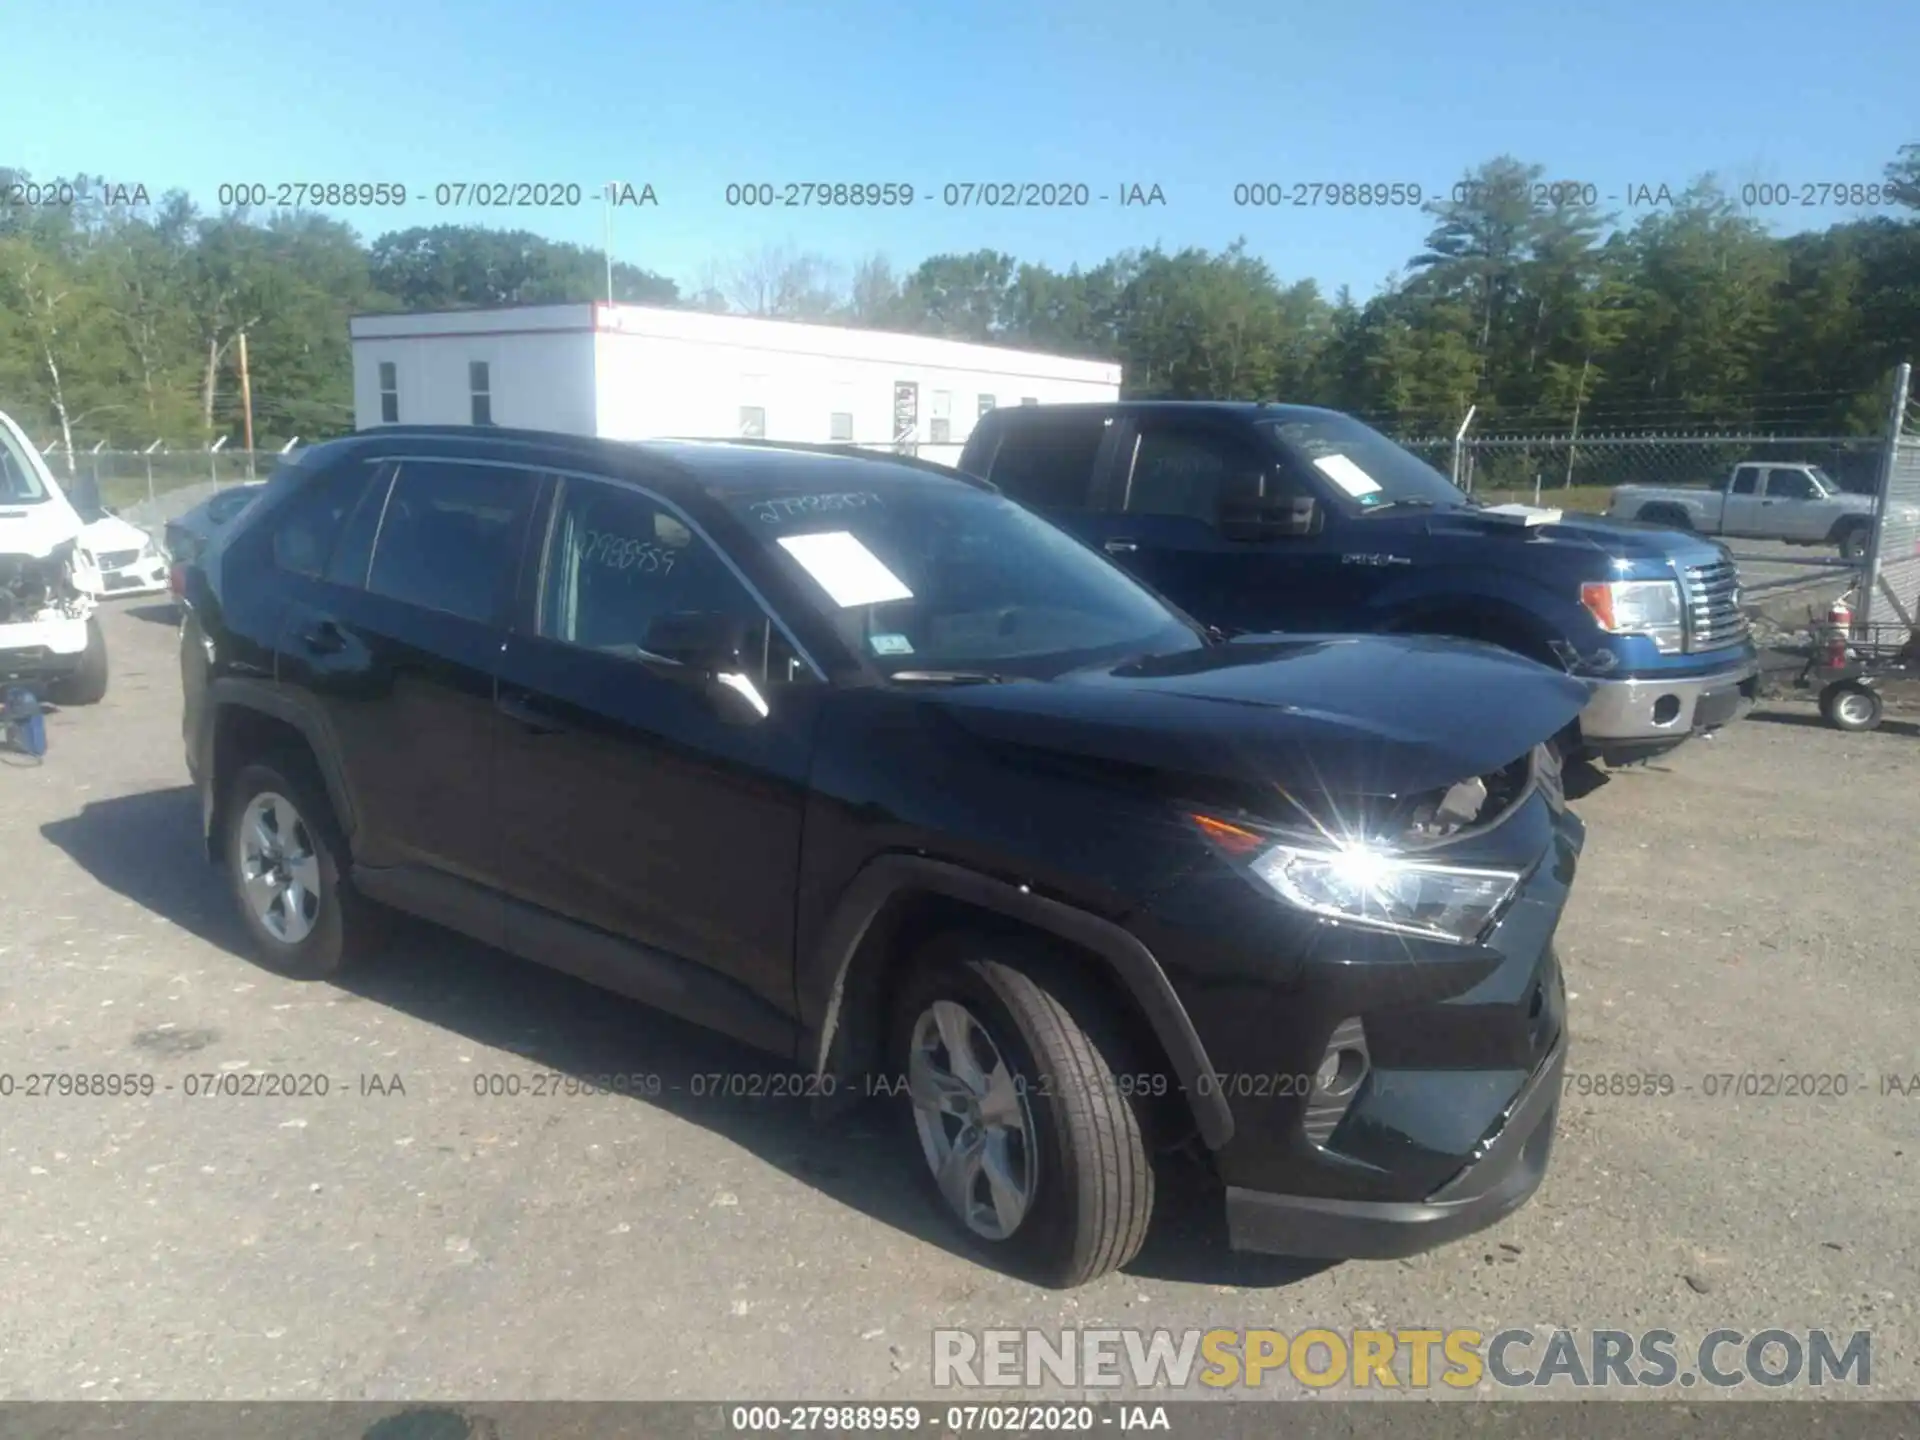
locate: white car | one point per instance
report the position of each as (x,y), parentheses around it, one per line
(125,555)
(50,638)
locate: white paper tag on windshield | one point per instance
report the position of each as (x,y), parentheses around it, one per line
(890,645)
(1347,475)
(845,569)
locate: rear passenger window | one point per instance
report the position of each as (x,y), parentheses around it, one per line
(304,533)
(353,549)
(1047,461)
(1745,481)
(450,537)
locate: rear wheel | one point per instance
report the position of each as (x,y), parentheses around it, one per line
(1024,1131)
(286,863)
(1852,706)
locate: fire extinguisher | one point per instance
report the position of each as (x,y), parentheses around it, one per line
(1839,628)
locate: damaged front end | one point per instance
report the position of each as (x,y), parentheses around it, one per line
(46,587)
(46,602)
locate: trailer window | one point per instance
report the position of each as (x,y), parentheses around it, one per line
(389,393)
(480,386)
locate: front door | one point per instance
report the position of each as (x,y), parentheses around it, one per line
(627,802)
(1166,492)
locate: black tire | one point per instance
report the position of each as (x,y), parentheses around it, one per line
(1851,706)
(1092,1183)
(1853,542)
(341,921)
(88,684)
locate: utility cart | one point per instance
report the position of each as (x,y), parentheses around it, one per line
(1849,662)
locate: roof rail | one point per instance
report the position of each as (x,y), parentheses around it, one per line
(848,451)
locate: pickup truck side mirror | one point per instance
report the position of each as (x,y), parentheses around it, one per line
(1264,519)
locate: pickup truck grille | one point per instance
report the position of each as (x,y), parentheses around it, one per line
(118,559)
(1714,618)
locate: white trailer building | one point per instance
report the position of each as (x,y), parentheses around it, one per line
(633,373)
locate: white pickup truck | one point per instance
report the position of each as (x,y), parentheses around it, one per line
(1757,500)
(50,638)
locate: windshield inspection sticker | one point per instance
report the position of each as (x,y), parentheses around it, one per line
(891,645)
(845,569)
(1347,475)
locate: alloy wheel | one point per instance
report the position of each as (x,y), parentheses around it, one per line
(976,1128)
(279,869)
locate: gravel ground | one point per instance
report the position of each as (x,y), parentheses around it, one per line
(1742,908)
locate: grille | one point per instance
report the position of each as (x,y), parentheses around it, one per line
(1714,618)
(118,559)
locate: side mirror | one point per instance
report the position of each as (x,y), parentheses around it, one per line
(710,651)
(1260,519)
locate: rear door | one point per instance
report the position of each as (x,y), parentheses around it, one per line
(396,632)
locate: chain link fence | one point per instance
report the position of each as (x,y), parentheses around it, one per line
(1579,472)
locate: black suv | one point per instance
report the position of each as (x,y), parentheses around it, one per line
(856,760)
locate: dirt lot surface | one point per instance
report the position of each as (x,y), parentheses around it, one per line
(1747,908)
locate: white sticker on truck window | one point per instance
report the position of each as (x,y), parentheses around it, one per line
(849,572)
(891,645)
(1347,475)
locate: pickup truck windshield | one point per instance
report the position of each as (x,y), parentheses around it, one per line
(19,485)
(1363,465)
(929,579)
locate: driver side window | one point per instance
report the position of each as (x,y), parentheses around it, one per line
(1789,485)
(1195,473)
(621,567)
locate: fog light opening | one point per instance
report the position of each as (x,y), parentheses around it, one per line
(1341,1072)
(1666,710)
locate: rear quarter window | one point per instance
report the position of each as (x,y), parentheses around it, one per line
(1046,460)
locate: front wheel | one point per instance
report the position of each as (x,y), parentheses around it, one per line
(1851,706)
(87,685)
(1025,1132)
(1853,543)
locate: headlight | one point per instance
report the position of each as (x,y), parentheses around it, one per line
(1366,885)
(1637,607)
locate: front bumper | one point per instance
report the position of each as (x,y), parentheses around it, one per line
(1657,713)
(42,649)
(146,577)
(1510,1166)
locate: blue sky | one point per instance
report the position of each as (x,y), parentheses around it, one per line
(1193,98)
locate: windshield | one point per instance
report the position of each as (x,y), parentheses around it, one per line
(19,484)
(1361,464)
(1825,481)
(923,574)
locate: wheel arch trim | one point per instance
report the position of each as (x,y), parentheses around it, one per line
(1129,962)
(229,693)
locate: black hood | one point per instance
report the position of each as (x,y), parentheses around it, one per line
(1341,714)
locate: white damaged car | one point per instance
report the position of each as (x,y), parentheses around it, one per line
(50,637)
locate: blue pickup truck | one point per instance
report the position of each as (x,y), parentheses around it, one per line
(1263,517)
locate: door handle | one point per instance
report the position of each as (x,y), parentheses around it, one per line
(1120,547)
(523,711)
(324,639)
